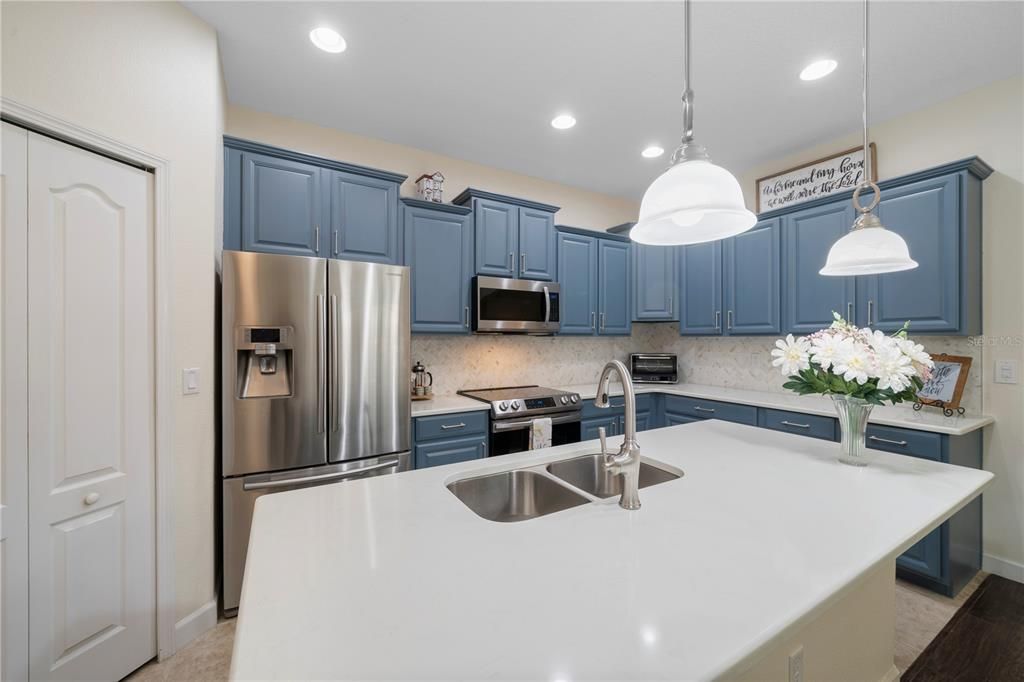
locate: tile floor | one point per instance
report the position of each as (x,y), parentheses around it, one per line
(920,615)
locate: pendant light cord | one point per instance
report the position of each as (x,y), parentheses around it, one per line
(687,92)
(864,95)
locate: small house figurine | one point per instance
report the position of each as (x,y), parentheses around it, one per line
(430,187)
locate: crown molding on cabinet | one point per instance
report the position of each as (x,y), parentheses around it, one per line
(436,206)
(280,152)
(473,193)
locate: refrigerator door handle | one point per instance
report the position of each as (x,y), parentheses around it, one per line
(333,362)
(321,366)
(319,478)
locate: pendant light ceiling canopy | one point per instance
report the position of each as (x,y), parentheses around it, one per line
(693,201)
(868,248)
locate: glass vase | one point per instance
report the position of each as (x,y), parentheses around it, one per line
(853,422)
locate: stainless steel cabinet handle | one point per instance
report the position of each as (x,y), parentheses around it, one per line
(316,238)
(547,302)
(718,319)
(321,366)
(448,427)
(465,317)
(871,311)
(900,443)
(319,478)
(602,321)
(728,319)
(670,310)
(592,320)
(522,263)
(849,311)
(795,425)
(332,319)
(510,257)
(483,448)
(336,243)
(704,409)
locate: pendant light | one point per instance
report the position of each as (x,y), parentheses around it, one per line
(868,248)
(694,200)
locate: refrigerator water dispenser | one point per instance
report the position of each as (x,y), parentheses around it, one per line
(264,356)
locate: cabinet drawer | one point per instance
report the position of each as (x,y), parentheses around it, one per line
(711,409)
(796,422)
(672,419)
(450,451)
(905,441)
(644,403)
(451,425)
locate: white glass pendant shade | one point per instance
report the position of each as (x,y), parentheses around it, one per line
(692,202)
(868,251)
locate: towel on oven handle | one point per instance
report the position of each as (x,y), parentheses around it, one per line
(540,433)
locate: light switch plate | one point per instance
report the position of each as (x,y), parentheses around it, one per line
(190,381)
(1006,371)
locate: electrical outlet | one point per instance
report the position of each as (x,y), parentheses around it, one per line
(1006,371)
(190,381)
(796,665)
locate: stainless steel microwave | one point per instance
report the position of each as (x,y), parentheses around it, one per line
(654,368)
(515,306)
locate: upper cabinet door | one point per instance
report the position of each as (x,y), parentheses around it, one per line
(700,288)
(364,218)
(497,237)
(927,215)
(654,283)
(439,252)
(536,244)
(281,207)
(577,275)
(752,268)
(810,298)
(614,288)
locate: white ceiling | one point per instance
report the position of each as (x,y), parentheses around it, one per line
(481,80)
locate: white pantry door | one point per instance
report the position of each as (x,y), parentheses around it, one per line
(92,564)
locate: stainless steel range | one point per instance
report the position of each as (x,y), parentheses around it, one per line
(514,408)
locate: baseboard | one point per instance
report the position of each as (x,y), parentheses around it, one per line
(195,624)
(893,674)
(1011,570)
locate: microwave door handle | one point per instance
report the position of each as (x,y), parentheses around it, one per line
(547,305)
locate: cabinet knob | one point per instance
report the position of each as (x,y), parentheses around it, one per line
(91,499)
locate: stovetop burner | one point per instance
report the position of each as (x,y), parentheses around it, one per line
(525,401)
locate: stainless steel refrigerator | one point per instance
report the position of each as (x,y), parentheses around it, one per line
(315,390)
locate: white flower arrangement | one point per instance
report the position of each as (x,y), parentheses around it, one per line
(848,360)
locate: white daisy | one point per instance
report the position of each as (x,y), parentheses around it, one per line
(894,370)
(855,364)
(791,355)
(915,352)
(827,348)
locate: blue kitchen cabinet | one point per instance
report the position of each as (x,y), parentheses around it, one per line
(515,237)
(927,214)
(700,284)
(449,438)
(282,210)
(752,280)
(614,288)
(537,259)
(439,252)
(589,427)
(577,276)
(655,282)
(810,298)
(364,218)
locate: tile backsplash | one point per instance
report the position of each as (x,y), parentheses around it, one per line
(459,362)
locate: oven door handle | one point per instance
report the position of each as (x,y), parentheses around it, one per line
(498,426)
(547,304)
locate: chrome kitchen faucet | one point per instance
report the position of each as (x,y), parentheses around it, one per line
(627,462)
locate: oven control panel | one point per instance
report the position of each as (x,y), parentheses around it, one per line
(537,406)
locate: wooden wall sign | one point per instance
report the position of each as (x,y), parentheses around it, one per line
(828,175)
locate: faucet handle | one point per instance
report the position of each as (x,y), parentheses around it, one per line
(602,434)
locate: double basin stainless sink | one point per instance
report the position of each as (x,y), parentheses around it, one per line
(523,494)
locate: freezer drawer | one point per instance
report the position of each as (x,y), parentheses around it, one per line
(241,493)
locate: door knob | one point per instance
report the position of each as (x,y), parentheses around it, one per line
(92,498)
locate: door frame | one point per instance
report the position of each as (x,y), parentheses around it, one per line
(164,391)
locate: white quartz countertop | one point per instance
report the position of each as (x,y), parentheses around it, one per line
(928,419)
(446,404)
(394,578)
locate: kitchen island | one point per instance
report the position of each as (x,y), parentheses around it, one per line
(767,545)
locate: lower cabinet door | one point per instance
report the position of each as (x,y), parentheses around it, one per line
(643,421)
(925,557)
(674,419)
(437,453)
(589,427)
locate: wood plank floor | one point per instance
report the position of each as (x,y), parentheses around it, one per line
(983,641)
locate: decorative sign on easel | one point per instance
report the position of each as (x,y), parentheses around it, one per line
(946,385)
(829,175)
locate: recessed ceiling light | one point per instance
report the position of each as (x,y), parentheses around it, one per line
(327,39)
(563,122)
(818,69)
(652,152)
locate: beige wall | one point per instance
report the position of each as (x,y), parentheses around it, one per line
(148,75)
(579,207)
(987,122)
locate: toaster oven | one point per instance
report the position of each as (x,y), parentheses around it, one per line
(654,368)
